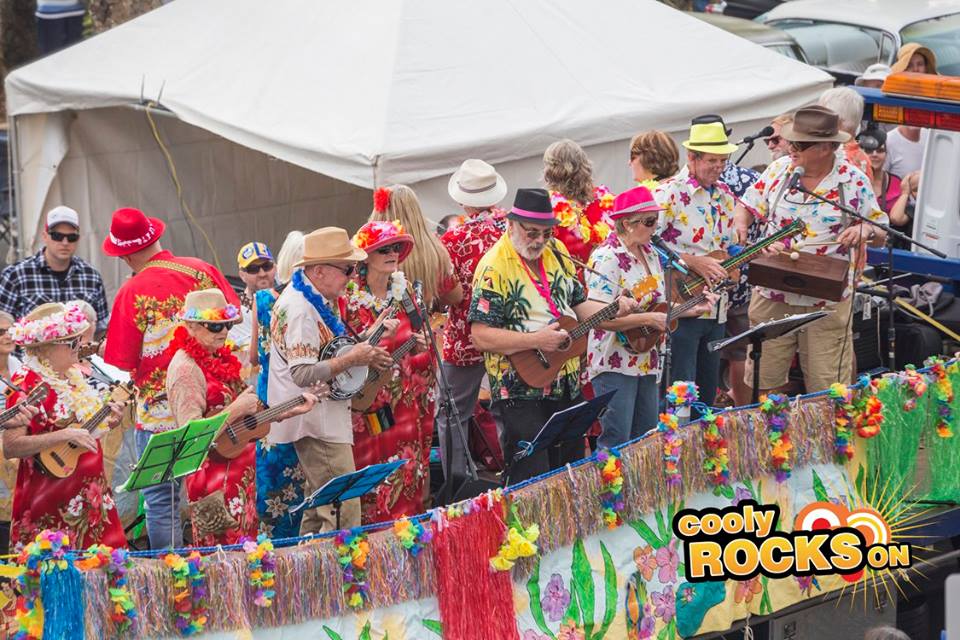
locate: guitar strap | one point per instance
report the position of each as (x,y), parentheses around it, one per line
(202,278)
(380,420)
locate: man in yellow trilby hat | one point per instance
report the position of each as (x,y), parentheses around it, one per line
(698,219)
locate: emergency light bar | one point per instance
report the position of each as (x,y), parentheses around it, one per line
(915,99)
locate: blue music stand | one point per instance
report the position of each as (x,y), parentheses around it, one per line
(348,486)
(570,424)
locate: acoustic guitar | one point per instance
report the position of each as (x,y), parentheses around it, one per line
(235,436)
(61,461)
(691,285)
(642,339)
(539,369)
(37,394)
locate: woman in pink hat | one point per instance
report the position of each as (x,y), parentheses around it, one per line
(399,422)
(627,262)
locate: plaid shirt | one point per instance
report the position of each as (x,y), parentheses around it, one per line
(30,283)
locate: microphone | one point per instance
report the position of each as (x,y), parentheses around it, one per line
(794,182)
(665,249)
(766,132)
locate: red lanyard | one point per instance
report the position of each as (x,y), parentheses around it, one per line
(543,286)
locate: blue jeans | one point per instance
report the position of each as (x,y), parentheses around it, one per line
(632,410)
(692,360)
(162,512)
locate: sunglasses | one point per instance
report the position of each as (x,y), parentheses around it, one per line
(348,271)
(772,140)
(57,236)
(649,221)
(801,146)
(3,332)
(73,343)
(257,268)
(396,247)
(214,327)
(533,234)
(877,150)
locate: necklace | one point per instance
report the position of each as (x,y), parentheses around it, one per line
(220,365)
(75,396)
(333,322)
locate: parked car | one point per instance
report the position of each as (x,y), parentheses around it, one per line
(766,36)
(844,38)
(748,9)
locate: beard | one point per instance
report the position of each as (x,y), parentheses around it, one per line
(528,250)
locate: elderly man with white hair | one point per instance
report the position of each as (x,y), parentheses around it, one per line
(848,105)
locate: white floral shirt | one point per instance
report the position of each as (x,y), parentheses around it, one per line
(606,350)
(845,184)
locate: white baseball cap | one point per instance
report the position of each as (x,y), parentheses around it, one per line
(878,71)
(63,215)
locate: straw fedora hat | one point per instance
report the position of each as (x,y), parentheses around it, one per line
(208,305)
(477,184)
(329,244)
(814,124)
(48,323)
(709,137)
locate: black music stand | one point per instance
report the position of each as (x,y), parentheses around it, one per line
(768,330)
(349,486)
(569,424)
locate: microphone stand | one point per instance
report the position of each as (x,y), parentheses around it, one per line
(750,142)
(891,234)
(668,269)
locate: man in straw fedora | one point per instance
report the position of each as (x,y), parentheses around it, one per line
(478,189)
(306,317)
(522,287)
(697,220)
(139,333)
(825,347)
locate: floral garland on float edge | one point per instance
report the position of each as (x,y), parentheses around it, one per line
(943,393)
(46,554)
(115,563)
(716,462)
(775,407)
(262,566)
(352,551)
(412,535)
(916,385)
(680,395)
(856,407)
(611,487)
(519,543)
(190,597)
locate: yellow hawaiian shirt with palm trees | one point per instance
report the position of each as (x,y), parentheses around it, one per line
(505,297)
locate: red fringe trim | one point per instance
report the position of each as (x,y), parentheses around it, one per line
(476,602)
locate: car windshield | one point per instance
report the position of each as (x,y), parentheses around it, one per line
(838,47)
(942,36)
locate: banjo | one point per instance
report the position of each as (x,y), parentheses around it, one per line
(350,382)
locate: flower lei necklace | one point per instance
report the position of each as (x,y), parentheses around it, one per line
(333,322)
(221,365)
(74,394)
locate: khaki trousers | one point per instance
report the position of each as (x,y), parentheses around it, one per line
(825,346)
(321,462)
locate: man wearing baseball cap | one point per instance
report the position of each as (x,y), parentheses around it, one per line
(257,270)
(54,274)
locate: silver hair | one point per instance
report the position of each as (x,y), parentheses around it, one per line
(885,633)
(290,253)
(846,103)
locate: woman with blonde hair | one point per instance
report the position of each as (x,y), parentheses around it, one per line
(429,261)
(581,206)
(279,476)
(654,157)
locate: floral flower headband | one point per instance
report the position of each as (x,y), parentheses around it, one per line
(226,314)
(69,323)
(378,233)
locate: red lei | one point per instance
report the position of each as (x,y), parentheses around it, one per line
(220,366)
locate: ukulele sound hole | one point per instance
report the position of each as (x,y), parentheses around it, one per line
(795,281)
(56,457)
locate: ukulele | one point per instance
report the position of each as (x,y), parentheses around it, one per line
(692,284)
(539,369)
(61,461)
(235,436)
(38,393)
(377,379)
(642,339)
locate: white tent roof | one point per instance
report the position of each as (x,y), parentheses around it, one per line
(377,91)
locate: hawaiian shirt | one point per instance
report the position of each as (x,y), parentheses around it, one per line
(696,219)
(505,297)
(739,180)
(583,226)
(614,263)
(466,244)
(845,184)
(141,327)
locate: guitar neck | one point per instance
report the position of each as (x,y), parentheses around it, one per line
(377,334)
(268,415)
(609,312)
(398,353)
(96,418)
(32,397)
(754,250)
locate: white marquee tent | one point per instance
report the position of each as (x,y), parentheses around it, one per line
(284,114)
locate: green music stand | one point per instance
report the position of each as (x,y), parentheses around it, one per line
(173,454)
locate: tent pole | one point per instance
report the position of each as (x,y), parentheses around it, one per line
(13,180)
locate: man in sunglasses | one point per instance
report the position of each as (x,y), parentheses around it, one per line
(54,274)
(257,269)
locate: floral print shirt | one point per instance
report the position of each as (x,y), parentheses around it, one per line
(644,278)
(583,227)
(466,244)
(845,184)
(505,297)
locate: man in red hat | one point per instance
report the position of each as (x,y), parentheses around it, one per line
(140,330)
